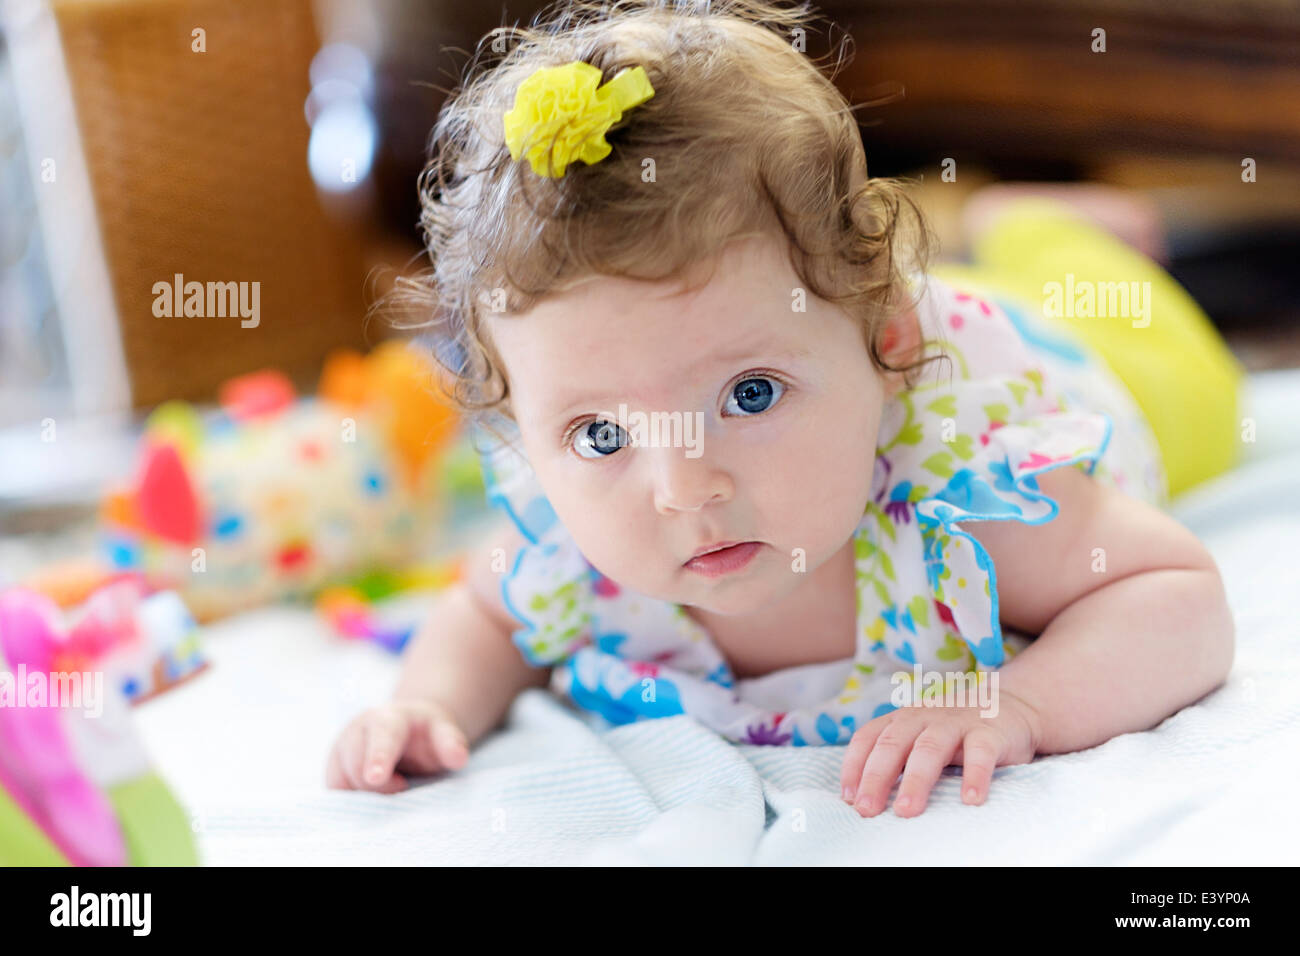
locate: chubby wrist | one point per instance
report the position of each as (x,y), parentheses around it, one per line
(1024,704)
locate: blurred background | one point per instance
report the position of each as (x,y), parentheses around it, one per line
(278,142)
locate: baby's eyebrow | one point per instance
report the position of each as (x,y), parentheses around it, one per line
(788,350)
(748,355)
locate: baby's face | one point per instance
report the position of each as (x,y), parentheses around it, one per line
(789,404)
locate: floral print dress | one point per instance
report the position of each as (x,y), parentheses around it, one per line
(965,444)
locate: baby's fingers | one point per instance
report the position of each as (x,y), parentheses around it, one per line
(343,771)
(884,764)
(855,757)
(334,777)
(980,752)
(932,752)
(394,784)
(449,743)
(384,735)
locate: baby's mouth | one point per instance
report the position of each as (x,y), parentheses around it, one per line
(710,548)
(725,558)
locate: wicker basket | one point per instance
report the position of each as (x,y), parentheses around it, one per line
(198,163)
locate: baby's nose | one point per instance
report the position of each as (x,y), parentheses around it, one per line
(685,483)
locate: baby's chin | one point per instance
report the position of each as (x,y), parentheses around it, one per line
(764,581)
(748,591)
(726,595)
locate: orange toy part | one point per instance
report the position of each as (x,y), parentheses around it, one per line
(69,583)
(343,379)
(118,508)
(398,385)
(421,423)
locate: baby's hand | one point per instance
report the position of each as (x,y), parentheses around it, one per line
(934,737)
(418,737)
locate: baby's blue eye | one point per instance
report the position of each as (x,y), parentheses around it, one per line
(754,395)
(599,439)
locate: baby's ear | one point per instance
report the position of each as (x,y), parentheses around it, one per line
(900,345)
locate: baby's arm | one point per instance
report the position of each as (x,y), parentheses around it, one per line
(1119,649)
(459,676)
(464,657)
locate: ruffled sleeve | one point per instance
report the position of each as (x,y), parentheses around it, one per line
(549,588)
(965,445)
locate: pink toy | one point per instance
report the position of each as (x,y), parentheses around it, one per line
(70,765)
(38,766)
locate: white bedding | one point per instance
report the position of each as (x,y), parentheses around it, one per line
(244,747)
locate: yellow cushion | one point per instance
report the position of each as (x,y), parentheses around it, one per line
(1178,369)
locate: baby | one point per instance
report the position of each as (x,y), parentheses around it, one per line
(758,466)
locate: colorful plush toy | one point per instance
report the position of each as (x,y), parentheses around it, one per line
(274,497)
(351,609)
(75,784)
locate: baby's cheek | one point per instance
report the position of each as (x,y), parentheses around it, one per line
(829,461)
(619,549)
(814,509)
(822,483)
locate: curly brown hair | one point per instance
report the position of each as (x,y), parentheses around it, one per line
(744,136)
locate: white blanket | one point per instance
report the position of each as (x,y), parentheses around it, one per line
(244,746)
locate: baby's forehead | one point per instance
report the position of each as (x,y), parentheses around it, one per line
(692,318)
(747,267)
(626,324)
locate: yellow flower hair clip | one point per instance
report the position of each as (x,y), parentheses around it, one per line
(564,112)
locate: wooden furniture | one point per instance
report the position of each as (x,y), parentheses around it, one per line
(1020,82)
(198,166)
